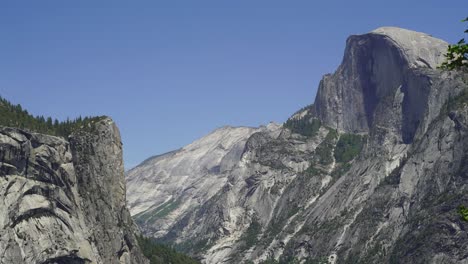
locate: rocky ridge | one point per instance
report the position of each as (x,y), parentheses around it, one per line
(165,187)
(372,172)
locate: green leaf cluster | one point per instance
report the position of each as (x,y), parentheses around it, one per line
(463,212)
(457,54)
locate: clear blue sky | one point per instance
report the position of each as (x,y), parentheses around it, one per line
(169,72)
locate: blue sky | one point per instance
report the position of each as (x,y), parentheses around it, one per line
(169,72)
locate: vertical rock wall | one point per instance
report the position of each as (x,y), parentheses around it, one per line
(64,201)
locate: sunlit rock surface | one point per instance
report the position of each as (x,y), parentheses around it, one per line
(163,188)
(64,201)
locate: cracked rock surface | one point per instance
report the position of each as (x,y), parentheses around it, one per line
(63,201)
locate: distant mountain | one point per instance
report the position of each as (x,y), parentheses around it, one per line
(164,188)
(373,172)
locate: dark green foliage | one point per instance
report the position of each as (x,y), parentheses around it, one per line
(306,125)
(159,212)
(192,245)
(272,153)
(274,228)
(373,254)
(394,177)
(15,116)
(331,225)
(250,237)
(463,212)
(312,171)
(293,209)
(457,54)
(288,260)
(319,260)
(340,170)
(161,254)
(348,147)
(324,151)
(303,127)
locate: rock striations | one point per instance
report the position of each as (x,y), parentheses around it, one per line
(64,201)
(373,67)
(373,172)
(167,186)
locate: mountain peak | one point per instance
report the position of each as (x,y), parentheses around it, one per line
(196,167)
(421,49)
(376,66)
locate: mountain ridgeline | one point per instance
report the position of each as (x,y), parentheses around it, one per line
(374,171)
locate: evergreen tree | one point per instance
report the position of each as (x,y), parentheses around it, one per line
(457,54)
(15,116)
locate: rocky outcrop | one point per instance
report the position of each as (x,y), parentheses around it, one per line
(64,201)
(374,67)
(377,177)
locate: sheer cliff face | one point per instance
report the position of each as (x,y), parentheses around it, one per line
(374,67)
(64,201)
(380,181)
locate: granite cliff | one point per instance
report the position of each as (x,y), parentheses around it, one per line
(63,201)
(372,172)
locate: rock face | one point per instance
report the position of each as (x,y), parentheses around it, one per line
(373,172)
(373,67)
(164,188)
(64,201)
